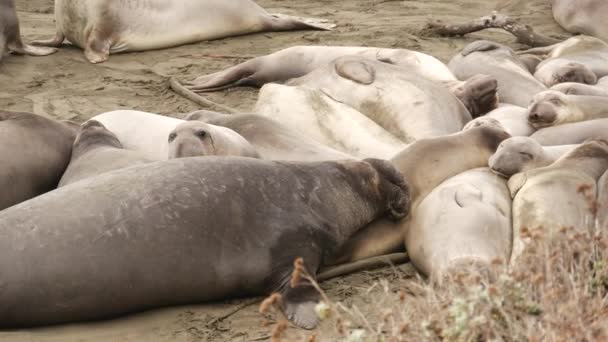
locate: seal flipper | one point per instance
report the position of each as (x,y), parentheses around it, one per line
(479,94)
(479,46)
(239,75)
(52,42)
(283,22)
(299,305)
(97,49)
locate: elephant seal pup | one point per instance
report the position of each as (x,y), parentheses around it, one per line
(196,138)
(328,121)
(10,33)
(185,231)
(97,150)
(581,59)
(520,154)
(440,158)
(572,133)
(582,16)
(272,140)
(141,131)
(400,101)
(464,221)
(571,88)
(555,196)
(552,108)
(516,85)
(513,119)
(35,152)
(101,27)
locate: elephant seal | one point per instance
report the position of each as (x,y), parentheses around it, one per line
(185,231)
(581,59)
(298,61)
(272,140)
(513,119)
(552,108)
(140,131)
(602,202)
(402,102)
(326,120)
(440,158)
(10,33)
(572,133)
(582,16)
(464,221)
(571,88)
(35,152)
(515,83)
(520,154)
(554,197)
(101,27)
(96,151)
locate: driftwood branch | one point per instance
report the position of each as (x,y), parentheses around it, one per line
(525,34)
(178,88)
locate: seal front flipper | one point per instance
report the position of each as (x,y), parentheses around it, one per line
(283,22)
(299,303)
(52,42)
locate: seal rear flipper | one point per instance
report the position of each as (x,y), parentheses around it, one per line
(30,50)
(283,22)
(52,42)
(298,304)
(239,75)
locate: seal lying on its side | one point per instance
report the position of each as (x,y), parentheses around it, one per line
(557,196)
(102,27)
(10,33)
(185,231)
(97,150)
(513,119)
(520,154)
(272,140)
(34,153)
(464,221)
(572,133)
(196,138)
(571,88)
(582,16)
(552,108)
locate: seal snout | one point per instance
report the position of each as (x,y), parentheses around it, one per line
(190,139)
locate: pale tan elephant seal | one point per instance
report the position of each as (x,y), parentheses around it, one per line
(513,119)
(552,108)
(196,138)
(572,133)
(557,196)
(520,154)
(101,27)
(571,88)
(582,16)
(465,221)
(10,33)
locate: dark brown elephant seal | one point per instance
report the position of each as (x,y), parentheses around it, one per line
(10,33)
(34,153)
(425,164)
(184,231)
(197,138)
(97,150)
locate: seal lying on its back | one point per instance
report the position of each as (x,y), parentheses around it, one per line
(515,83)
(97,150)
(185,231)
(557,196)
(102,27)
(552,108)
(272,140)
(520,154)
(582,16)
(572,133)
(34,153)
(10,34)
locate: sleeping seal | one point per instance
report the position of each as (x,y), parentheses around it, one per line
(34,153)
(582,16)
(97,150)
(184,231)
(513,119)
(101,27)
(520,154)
(556,196)
(552,108)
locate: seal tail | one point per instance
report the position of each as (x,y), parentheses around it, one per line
(283,22)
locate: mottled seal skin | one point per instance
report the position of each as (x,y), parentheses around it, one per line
(101,27)
(196,138)
(520,154)
(96,151)
(425,164)
(557,196)
(516,85)
(582,16)
(465,221)
(10,33)
(552,108)
(184,231)
(35,152)
(271,139)
(572,133)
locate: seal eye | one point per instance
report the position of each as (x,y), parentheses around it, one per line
(555,101)
(172,137)
(527,155)
(201,134)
